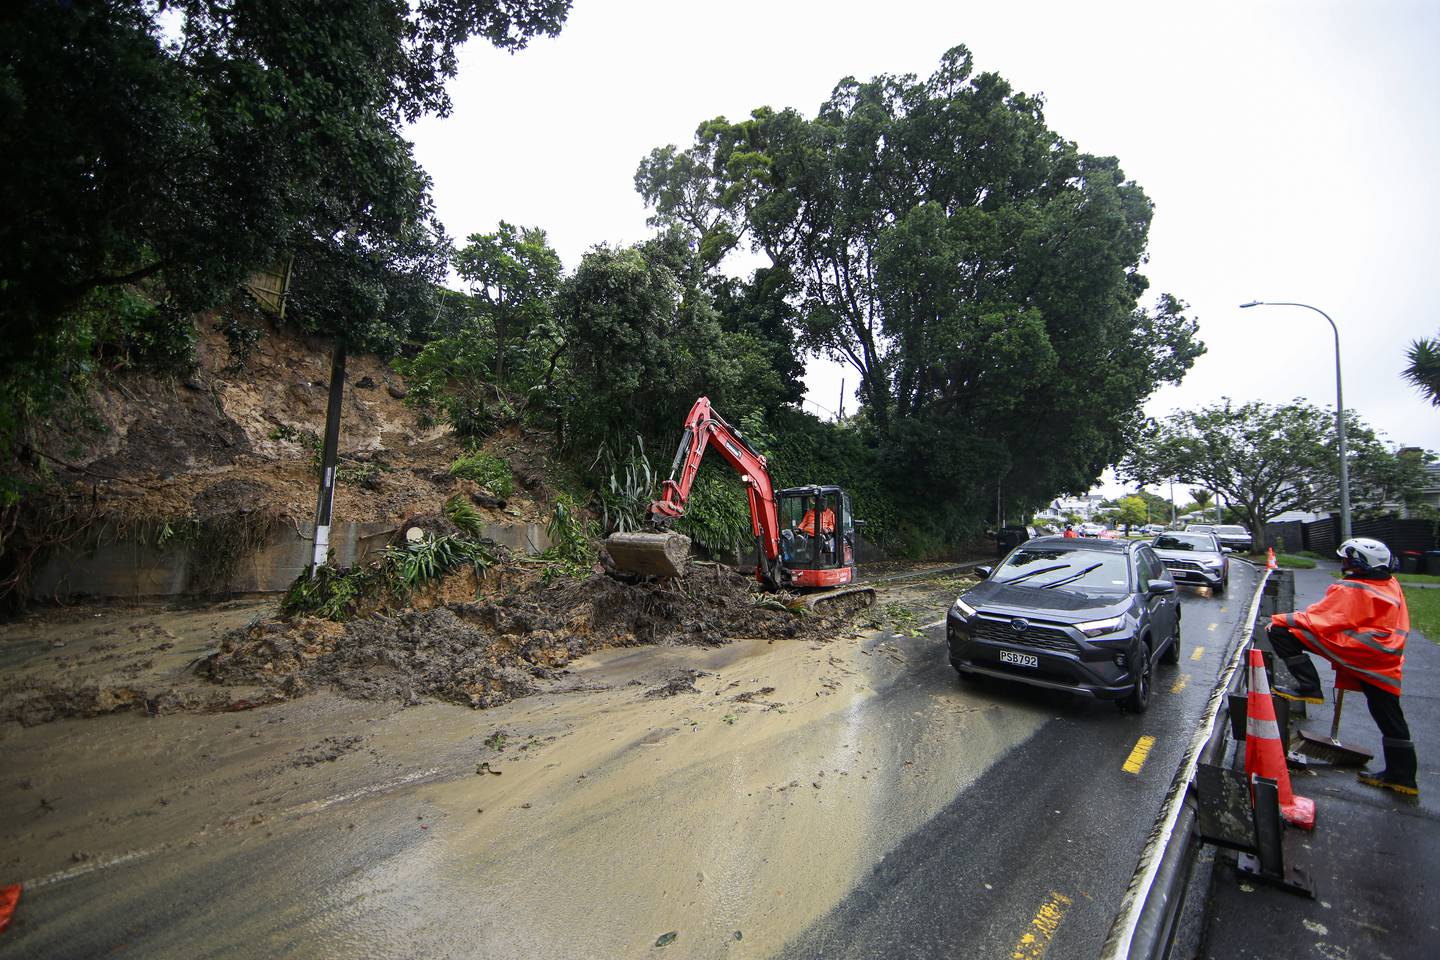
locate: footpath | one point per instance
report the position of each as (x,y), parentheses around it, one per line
(1374,856)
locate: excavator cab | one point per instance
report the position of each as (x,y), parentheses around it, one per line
(817,537)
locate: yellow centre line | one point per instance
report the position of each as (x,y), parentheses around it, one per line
(1136,760)
(1212,627)
(1179,683)
(1036,940)
(1197,653)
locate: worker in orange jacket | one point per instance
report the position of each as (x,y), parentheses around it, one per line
(1070,533)
(1360,626)
(827,522)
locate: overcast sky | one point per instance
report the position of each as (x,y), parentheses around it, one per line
(1290,149)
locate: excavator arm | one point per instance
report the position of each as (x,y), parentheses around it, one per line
(662,554)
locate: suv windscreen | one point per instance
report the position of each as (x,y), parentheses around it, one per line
(1233,531)
(1185,541)
(1106,571)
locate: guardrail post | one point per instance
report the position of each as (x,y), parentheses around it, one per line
(1267,863)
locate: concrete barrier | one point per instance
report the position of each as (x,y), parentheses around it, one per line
(132,569)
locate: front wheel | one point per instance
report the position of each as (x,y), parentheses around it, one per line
(1139,698)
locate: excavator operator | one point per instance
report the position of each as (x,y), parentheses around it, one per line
(827,522)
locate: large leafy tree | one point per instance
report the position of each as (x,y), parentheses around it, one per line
(513,275)
(495,342)
(1266,459)
(184,144)
(641,346)
(979,273)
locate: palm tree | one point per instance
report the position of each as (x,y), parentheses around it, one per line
(1424,369)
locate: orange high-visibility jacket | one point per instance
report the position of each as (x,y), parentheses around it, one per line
(827,522)
(1360,625)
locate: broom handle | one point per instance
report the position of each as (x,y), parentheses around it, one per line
(1339,703)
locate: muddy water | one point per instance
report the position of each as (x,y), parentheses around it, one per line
(328,828)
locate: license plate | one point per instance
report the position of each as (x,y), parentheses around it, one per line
(1019,659)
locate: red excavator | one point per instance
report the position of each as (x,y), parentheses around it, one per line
(805,537)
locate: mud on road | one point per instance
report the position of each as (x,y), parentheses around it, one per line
(155,798)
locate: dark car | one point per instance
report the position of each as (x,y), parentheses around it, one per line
(1194,558)
(1088,616)
(1234,536)
(1011,537)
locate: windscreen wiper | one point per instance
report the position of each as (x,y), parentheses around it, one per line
(1036,573)
(1073,576)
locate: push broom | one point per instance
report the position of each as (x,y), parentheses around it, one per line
(1330,749)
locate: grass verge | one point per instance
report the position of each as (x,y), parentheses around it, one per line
(1424,611)
(1294,561)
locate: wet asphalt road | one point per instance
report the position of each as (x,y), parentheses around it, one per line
(1029,858)
(1034,857)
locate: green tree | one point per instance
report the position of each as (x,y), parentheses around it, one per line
(636,354)
(978,272)
(1267,459)
(1131,511)
(513,277)
(185,156)
(1423,367)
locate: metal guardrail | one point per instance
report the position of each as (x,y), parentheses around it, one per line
(1144,927)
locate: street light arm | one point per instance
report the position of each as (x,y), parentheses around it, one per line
(1339,409)
(1285,303)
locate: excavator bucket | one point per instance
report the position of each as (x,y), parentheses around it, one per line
(649,554)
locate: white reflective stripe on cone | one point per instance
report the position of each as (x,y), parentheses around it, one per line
(1262,729)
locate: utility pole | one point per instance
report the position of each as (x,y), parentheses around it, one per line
(329,457)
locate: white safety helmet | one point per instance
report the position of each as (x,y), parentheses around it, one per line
(1366,555)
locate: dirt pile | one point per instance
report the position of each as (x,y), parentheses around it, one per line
(482,654)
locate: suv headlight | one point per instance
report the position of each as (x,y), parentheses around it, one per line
(963,608)
(1095,628)
(1211,564)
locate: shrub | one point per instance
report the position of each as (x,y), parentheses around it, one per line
(336,594)
(628,489)
(492,473)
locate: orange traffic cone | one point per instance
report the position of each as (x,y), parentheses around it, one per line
(1270,559)
(1264,753)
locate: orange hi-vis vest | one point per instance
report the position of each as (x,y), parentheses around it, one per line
(827,522)
(1359,625)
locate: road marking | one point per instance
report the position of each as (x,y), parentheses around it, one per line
(1212,627)
(1136,760)
(937,623)
(1197,653)
(1179,683)
(1036,941)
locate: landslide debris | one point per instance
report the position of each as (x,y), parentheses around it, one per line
(487,652)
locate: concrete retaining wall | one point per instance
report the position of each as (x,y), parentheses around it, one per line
(130,569)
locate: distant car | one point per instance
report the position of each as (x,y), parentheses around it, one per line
(1153,528)
(1088,617)
(1091,529)
(1194,558)
(1199,528)
(1234,536)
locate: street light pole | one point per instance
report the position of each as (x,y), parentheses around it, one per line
(1339,410)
